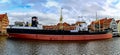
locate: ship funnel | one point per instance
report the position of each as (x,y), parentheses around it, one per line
(34,21)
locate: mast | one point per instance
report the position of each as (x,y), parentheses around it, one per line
(98,22)
(105,25)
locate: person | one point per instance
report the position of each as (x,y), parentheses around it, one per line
(34,21)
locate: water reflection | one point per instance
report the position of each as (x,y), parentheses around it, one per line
(36,47)
(2,45)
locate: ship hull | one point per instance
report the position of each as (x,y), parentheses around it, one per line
(41,34)
(60,37)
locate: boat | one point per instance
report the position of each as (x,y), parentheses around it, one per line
(36,31)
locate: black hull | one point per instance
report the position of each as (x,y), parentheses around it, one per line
(53,32)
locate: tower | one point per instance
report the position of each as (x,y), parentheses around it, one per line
(61,20)
(61,17)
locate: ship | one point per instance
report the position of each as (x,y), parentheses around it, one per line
(34,33)
(37,32)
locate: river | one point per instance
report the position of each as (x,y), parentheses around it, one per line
(37,47)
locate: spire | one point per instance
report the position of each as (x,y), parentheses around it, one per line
(61,18)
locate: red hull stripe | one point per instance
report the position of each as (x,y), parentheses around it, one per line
(60,37)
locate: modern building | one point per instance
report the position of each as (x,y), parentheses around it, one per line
(4,22)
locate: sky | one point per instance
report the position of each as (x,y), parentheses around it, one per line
(48,11)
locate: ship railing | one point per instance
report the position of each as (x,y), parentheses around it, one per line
(22,27)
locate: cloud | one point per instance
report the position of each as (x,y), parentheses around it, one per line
(4,1)
(30,4)
(26,17)
(51,4)
(49,10)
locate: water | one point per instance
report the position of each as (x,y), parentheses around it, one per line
(36,47)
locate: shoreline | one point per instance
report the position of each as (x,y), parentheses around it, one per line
(3,34)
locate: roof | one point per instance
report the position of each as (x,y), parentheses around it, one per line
(102,21)
(64,24)
(109,20)
(2,16)
(117,21)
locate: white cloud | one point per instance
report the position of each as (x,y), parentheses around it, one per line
(48,12)
(30,4)
(110,9)
(105,8)
(4,1)
(51,4)
(26,16)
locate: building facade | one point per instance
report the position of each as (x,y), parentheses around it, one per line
(65,26)
(118,28)
(118,25)
(103,24)
(113,25)
(3,23)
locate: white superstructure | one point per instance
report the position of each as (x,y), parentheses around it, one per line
(82,27)
(24,27)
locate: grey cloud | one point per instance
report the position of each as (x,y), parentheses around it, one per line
(72,9)
(26,16)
